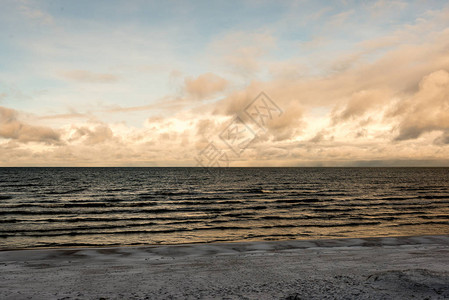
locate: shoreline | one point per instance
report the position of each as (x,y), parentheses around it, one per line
(299,243)
(363,268)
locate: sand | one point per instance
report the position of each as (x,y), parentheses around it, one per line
(372,268)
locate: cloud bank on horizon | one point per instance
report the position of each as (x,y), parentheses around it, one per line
(151,83)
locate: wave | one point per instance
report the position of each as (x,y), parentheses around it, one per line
(252,191)
(399,198)
(93,230)
(307,200)
(421,223)
(204,218)
(435,197)
(75,191)
(116,211)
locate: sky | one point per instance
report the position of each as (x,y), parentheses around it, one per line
(224,83)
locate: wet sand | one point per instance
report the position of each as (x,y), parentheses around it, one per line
(370,268)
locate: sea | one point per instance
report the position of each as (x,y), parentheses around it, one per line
(71,207)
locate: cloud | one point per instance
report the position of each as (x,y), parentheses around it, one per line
(241,52)
(65,116)
(427,110)
(29,10)
(443,139)
(321,136)
(11,128)
(206,127)
(205,85)
(347,99)
(359,103)
(381,7)
(289,124)
(338,19)
(394,91)
(165,104)
(92,136)
(89,77)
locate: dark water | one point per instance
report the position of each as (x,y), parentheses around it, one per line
(131,206)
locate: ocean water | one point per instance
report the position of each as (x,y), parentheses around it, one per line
(57,207)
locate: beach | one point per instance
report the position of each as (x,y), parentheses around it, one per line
(366,268)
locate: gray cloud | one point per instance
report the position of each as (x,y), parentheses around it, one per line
(287,125)
(427,110)
(359,103)
(99,134)
(321,136)
(11,128)
(443,139)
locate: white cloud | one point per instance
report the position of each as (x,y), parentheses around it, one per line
(89,77)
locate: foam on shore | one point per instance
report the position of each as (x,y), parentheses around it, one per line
(228,248)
